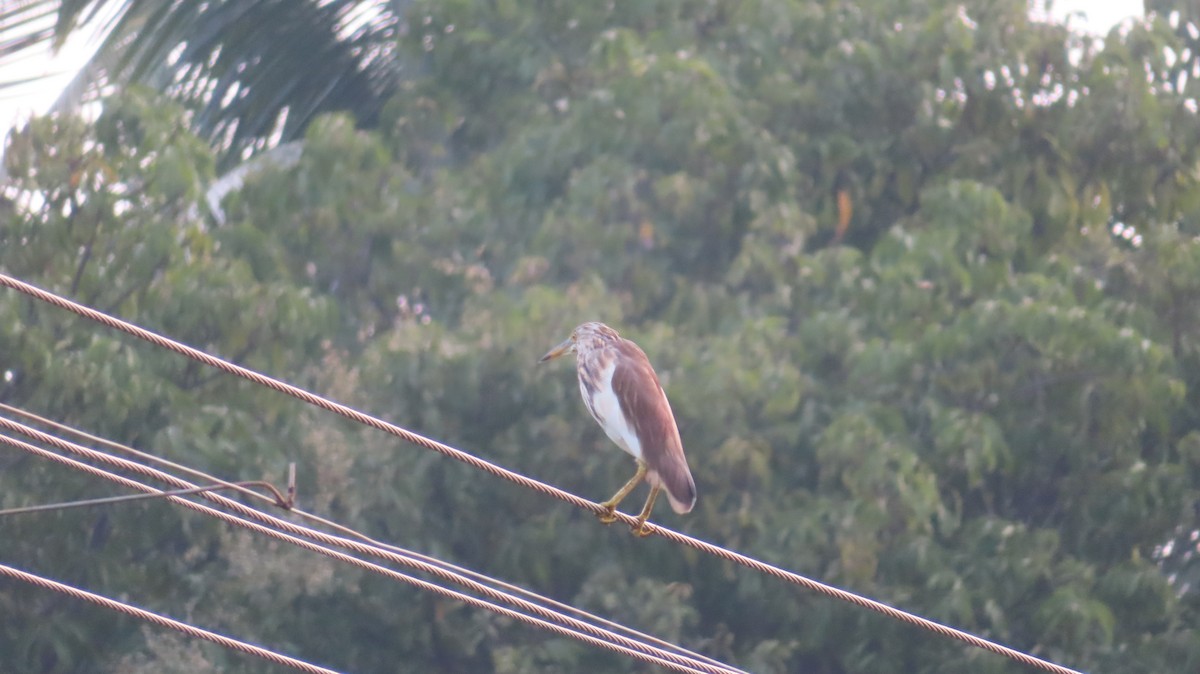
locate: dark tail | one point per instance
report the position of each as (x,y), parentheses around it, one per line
(681,489)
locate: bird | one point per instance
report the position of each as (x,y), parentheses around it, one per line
(622,392)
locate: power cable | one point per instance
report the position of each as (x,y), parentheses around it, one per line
(109,500)
(242,487)
(163,621)
(527,482)
(294,531)
(502,585)
(577,630)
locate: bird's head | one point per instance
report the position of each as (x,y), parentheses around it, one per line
(583,337)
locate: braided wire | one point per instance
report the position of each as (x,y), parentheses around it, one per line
(302,537)
(163,621)
(527,482)
(348,531)
(640,654)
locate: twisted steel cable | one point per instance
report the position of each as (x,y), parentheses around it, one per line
(527,482)
(303,537)
(163,621)
(310,517)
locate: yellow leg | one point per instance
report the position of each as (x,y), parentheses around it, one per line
(611,504)
(640,529)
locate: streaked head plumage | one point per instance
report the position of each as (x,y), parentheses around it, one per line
(587,337)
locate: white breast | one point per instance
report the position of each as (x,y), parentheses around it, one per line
(606,409)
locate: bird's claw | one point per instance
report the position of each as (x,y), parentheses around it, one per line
(641,530)
(609,515)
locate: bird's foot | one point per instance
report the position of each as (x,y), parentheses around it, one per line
(609,515)
(641,530)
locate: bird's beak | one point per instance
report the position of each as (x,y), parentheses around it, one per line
(566,347)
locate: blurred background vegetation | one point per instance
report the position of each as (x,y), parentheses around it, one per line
(919,278)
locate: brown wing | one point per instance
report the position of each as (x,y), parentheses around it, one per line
(645,405)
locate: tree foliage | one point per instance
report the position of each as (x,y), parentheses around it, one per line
(918,279)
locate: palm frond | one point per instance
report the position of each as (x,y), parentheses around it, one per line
(254,71)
